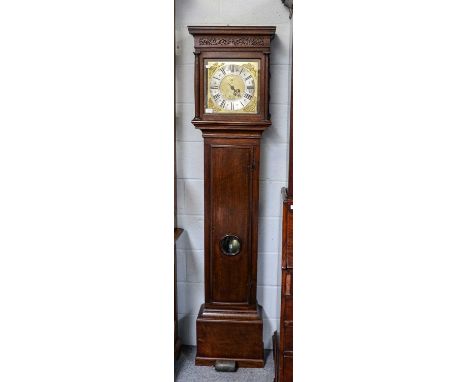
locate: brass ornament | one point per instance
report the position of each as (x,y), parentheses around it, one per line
(213,105)
(213,68)
(251,107)
(252,69)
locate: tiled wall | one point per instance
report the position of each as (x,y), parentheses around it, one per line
(273,172)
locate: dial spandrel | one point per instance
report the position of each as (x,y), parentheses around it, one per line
(231,86)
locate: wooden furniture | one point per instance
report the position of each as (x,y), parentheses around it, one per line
(177,341)
(232,111)
(283,341)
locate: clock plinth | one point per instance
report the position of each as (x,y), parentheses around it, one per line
(231,335)
(232,111)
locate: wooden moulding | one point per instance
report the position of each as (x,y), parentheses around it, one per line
(231,336)
(287,236)
(231,130)
(275,341)
(233,37)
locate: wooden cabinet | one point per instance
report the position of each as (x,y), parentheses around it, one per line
(283,341)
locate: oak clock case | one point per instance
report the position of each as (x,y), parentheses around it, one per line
(231,110)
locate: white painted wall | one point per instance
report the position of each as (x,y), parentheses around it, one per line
(273,170)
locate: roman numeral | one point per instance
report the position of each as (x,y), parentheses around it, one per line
(232,106)
(223,103)
(248,96)
(251,87)
(248,77)
(222,70)
(216,96)
(215,87)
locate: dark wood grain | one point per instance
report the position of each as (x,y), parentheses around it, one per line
(275,341)
(284,359)
(231,187)
(230,334)
(287,243)
(288,367)
(230,323)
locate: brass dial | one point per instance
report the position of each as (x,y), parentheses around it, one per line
(231,87)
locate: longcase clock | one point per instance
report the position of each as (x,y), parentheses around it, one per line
(231,110)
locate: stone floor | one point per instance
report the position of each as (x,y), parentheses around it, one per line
(186,371)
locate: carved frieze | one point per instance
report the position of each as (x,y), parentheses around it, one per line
(232,41)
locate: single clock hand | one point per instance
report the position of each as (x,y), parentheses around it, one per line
(236,91)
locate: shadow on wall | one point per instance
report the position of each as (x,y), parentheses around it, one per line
(184,328)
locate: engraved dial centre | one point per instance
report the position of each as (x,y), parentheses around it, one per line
(232,87)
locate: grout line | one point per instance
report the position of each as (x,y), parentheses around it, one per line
(275,181)
(287,66)
(191,282)
(202,283)
(198,141)
(260,216)
(269,180)
(269,144)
